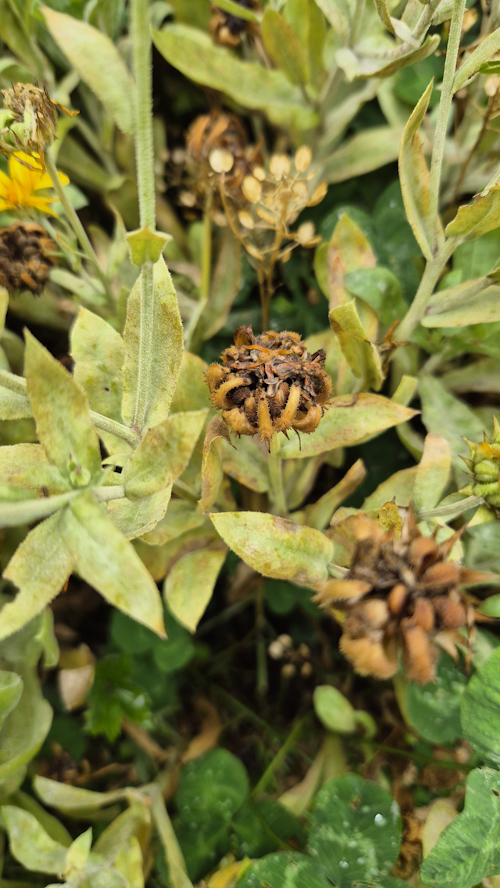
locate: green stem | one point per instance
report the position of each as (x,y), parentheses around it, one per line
(141,53)
(280,756)
(429,280)
(76,225)
(276,477)
(444,114)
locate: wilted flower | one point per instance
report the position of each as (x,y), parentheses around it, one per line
(400,593)
(269,383)
(26,257)
(484,464)
(26,177)
(32,107)
(227,29)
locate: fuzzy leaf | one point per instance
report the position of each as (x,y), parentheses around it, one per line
(191,391)
(477,218)
(482,53)
(361,354)
(163,454)
(480,308)
(284,47)
(98,352)
(226,283)
(349,420)
(39,568)
(467,850)
(368,150)
(11,688)
(62,416)
(30,844)
(13,405)
(211,468)
(433,473)
(190,583)
(244,462)
(108,562)
(146,245)
(27,466)
(414,177)
(137,518)
(98,63)
(481,710)
(446,415)
(250,84)
(276,547)
(166,348)
(27,725)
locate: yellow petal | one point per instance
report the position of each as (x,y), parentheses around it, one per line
(4,184)
(40,203)
(5,205)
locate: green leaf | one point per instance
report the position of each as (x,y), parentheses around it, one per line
(30,844)
(180,517)
(135,519)
(27,466)
(114,696)
(480,710)
(319,514)
(98,63)
(354,831)
(98,352)
(467,850)
(433,473)
(11,688)
(361,354)
(146,245)
(39,568)
(248,83)
(334,710)
(163,454)
(28,724)
(244,462)
(72,800)
(260,824)
(109,563)
(215,782)
(368,150)
(276,547)
(349,420)
(166,349)
(13,405)
(399,485)
(449,417)
(190,583)
(226,283)
(234,8)
(191,391)
(480,55)
(480,308)
(414,177)
(211,467)
(288,870)
(434,709)
(284,47)
(71,442)
(477,218)
(381,289)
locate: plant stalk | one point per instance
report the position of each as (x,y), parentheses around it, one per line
(429,280)
(276,477)
(141,53)
(443,115)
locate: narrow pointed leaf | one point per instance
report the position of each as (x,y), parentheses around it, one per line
(30,844)
(11,688)
(70,441)
(109,563)
(284,47)
(482,308)
(361,354)
(477,218)
(73,799)
(276,547)
(166,349)
(487,48)
(39,568)
(27,466)
(98,63)
(433,473)
(368,150)
(14,405)
(414,176)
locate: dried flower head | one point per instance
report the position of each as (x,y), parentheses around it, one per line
(269,383)
(484,465)
(26,257)
(227,29)
(33,107)
(400,593)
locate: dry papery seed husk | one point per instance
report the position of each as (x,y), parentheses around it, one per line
(269,383)
(25,257)
(401,594)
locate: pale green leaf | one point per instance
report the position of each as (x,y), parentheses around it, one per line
(446,415)
(72,800)
(26,727)
(146,245)
(399,485)
(368,150)
(11,688)
(166,349)
(276,547)
(108,562)
(482,308)
(136,518)
(211,467)
(348,420)
(39,568)
(486,48)
(477,218)
(30,844)
(191,391)
(163,454)
(18,506)
(284,47)
(361,354)
(70,442)
(190,583)
(433,473)
(414,177)
(320,513)
(27,466)
(78,852)
(98,352)
(181,516)
(226,283)
(248,83)
(51,824)
(13,405)
(234,8)
(339,14)
(98,63)
(122,828)
(334,710)
(246,463)
(129,862)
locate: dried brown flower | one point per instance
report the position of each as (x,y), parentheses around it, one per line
(32,106)
(269,383)
(227,29)
(26,257)
(400,593)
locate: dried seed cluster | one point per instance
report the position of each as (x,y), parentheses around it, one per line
(269,383)
(26,257)
(484,465)
(32,106)
(227,29)
(296,660)
(400,594)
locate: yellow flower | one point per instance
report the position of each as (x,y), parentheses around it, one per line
(26,177)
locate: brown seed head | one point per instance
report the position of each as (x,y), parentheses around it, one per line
(32,105)
(399,590)
(227,29)
(269,383)
(26,257)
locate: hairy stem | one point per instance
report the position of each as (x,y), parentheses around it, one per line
(443,115)
(276,477)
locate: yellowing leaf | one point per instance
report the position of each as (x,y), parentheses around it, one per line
(211,468)
(477,218)
(368,150)
(414,177)
(30,844)
(284,47)
(190,583)
(361,354)
(276,547)
(134,518)
(433,473)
